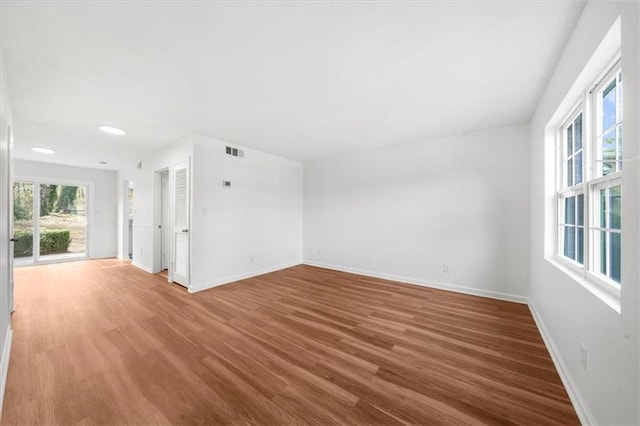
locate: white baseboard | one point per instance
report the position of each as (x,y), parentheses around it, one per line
(579,404)
(228,280)
(4,364)
(144,268)
(431,284)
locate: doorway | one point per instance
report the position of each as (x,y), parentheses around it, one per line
(130,212)
(163,236)
(50,222)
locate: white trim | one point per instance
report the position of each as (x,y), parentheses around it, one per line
(596,286)
(228,280)
(579,404)
(4,364)
(431,284)
(61,259)
(144,268)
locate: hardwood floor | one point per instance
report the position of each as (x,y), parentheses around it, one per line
(104,342)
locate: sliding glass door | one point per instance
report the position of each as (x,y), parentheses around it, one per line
(23,223)
(50,222)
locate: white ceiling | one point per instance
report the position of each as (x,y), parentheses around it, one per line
(298,79)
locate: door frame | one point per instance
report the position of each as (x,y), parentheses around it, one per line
(124,218)
(172,208)
(89,188)
(157,221)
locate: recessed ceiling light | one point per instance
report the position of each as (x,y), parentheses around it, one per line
(112,130)
(102,162)
(42,150)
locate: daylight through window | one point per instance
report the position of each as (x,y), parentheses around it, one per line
(589,183)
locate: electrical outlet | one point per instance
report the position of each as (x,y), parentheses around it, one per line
(446,268)
(583,356)
(318,252)
(251,260)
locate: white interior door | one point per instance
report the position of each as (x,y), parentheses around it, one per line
(9,186)
(180,241)
(6,211)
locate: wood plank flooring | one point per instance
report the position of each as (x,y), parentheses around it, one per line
(102,342)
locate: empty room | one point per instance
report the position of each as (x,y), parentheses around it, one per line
(320,212)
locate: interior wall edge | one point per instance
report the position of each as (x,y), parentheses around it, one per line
(229,280)
(579,404)
(140,266)
(424,283)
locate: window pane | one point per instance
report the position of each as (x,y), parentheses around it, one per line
(603,209)
(580,210)
(570,172)
(620,148)
(23,223)
(578,133)
(615,200)
(614,244)
(570,242)
(580,249)
(608,152)
(569,210)
(63,220)
(569,140)
(578,168)
(603,252)
(609,106)
(620,103)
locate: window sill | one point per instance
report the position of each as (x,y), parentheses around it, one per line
(591,283)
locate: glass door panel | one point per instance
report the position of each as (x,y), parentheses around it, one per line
(23,224)
(63,222)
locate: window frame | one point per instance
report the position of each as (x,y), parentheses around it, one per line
(563,190)
(592,112)
(601,84)
(602,182)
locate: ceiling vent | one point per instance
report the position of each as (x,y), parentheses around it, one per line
(234,152)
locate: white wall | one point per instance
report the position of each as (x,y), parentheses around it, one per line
(102,220)
(607,391)
(251,228)
(5,254)
(144,199)
(405,211)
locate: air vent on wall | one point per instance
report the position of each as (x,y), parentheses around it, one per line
(235,152)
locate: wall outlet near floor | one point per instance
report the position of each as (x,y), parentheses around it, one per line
(318,252)
(583,356)
(446,268)
(251,259)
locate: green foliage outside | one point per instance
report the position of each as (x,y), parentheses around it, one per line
(66,199)
(22,201)
(48,198)
(51,241)
(20,213)
(53,199)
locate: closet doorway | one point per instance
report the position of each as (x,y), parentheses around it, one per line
(163,235)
